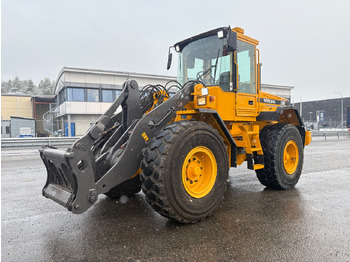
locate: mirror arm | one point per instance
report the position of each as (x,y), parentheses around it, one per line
(170,56)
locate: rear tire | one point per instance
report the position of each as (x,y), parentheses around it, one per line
(283,156)
(185,171)
(128,188)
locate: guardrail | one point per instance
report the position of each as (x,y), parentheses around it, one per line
(326,134)
(36,142)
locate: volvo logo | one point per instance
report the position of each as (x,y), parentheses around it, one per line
(270,101)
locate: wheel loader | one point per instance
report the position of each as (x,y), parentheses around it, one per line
(178,142)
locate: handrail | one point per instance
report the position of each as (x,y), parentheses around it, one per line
(48,118)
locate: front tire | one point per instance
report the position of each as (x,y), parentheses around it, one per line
(283,156)
(185,171)
(128,188)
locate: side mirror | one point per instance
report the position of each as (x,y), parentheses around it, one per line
(170,57)
(231,40)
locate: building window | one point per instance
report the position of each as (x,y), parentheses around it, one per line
(75,94)
(117,93)
(8,130)
(92,95)
(61,97)
(107,95)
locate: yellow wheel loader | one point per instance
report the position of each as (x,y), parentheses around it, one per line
(179,146)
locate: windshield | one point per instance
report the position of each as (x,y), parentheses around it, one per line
(206,60)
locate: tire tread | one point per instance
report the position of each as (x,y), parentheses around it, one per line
(153,166)
(269,138)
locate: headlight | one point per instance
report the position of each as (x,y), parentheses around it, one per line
(221,34)
(283,103)
(201,101)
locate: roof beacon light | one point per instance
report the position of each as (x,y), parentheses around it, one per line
(238,30)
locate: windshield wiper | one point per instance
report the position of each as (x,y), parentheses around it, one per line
(216,64)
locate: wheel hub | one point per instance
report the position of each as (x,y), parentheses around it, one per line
(194,170)
(199,172)
(290,157)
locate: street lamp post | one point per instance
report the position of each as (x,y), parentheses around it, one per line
(311,125)
(310,116)
(341,110)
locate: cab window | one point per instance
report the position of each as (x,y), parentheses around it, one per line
(246,67)
(208,61)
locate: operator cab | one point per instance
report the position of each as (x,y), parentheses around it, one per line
(224,58)
(213,57)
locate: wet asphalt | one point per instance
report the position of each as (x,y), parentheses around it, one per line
(308,223)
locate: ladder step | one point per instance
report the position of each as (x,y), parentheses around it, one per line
(241,143)
(256,149)
(258,166)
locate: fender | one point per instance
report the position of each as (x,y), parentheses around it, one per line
(220,124)
(285,115)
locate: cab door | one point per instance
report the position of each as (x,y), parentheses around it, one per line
(246,93)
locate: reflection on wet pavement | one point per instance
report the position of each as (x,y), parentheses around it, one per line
(308,223)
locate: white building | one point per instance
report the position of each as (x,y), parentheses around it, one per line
(278,90)
(82,95)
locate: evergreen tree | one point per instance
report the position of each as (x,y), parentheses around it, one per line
(16,86)
(28,87)
(4,87)
(45,86)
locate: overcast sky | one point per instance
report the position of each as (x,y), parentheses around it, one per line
(303,43)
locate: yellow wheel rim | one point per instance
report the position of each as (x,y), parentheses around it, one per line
(291,157)
(199,172)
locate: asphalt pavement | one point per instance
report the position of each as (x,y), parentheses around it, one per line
(308,223)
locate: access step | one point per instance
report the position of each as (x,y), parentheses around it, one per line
(258,166)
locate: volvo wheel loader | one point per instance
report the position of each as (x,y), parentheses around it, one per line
(178,148)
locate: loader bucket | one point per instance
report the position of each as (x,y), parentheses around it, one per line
(109,153)
(70,180)
(71,175)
